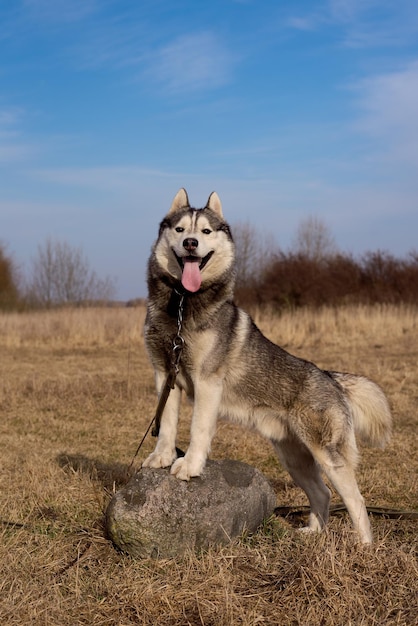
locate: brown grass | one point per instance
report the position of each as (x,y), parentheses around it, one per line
(76,393)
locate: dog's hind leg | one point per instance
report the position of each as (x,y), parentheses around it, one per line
(165,450)
(304,470)
(342,477)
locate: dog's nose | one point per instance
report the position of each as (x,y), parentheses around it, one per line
(190,244)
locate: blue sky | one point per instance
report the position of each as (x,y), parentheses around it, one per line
(286,108)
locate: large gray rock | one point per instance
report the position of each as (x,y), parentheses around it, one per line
(158,515)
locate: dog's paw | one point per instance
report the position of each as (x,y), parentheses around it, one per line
(160,459)
(184,469)
(307,530)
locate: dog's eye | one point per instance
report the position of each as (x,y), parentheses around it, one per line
(206,231)
(179,229)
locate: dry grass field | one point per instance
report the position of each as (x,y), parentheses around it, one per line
(76,394)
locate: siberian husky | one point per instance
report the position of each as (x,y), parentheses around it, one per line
(230,370)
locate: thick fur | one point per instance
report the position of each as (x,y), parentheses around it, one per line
(230,370)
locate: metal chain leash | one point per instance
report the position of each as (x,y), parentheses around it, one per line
(169,384)
(177,348)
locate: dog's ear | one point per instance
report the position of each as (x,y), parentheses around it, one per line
(214,204)
(180,201)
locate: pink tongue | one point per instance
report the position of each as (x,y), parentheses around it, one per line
(191,279)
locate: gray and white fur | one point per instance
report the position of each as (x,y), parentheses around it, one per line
(230,370)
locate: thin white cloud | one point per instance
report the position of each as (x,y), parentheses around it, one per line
(309,21)
(60,11)
(116,42)
(132,41)
(100,178)
(361,23)
(349,10)
(129,42)
(330,14)
(12,148)
(9,116)
(303,22)
(388,106)
(191,63)
(12,152)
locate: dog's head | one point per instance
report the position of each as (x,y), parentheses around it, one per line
(194,246)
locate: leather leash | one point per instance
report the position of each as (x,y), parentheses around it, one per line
(335,509)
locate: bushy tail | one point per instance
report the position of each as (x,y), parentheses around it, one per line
(370,409)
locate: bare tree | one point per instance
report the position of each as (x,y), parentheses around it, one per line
(253,251)
(245,251)
(314,239)
(61,275)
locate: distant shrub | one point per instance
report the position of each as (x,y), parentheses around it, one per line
(9,293)
(291,280)
(385,278)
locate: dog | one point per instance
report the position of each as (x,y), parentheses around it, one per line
(229,369)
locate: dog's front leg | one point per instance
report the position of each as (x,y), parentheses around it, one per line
(207,400)
(165,450)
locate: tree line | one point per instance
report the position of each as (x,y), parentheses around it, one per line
(315,273)
(60,275)
(312,273)
(291,280)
